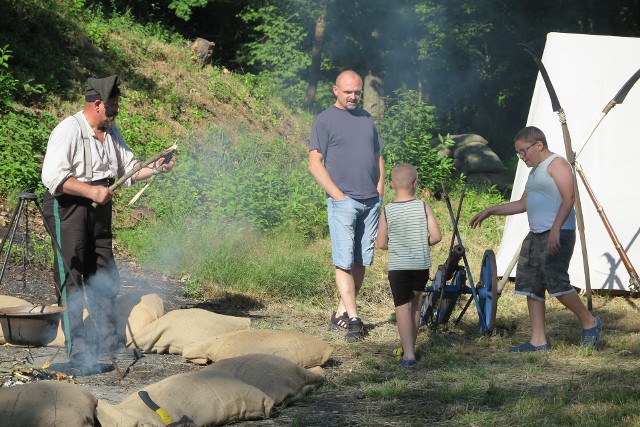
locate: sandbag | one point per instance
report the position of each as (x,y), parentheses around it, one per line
(134,311)
(180,328)
(467,138)
(205,397)
(47,403)
(7,301)
(109,415)
(302,349)
(318,371)
(477,157)
(59,341)
(280,379)
(459,141)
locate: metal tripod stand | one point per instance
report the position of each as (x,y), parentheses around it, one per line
(21,211)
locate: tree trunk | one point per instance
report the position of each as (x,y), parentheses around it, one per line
(373,93)
(314,71)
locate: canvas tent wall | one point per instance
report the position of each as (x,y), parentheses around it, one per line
(587,71)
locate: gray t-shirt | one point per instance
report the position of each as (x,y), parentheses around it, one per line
(349,143)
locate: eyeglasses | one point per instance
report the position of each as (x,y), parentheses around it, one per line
(522,153)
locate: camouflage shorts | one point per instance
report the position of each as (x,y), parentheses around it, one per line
(539,271)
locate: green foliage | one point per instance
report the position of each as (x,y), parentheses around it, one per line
(276,53)
(183,8)
(228,254)
(260,183)
(23,139)
(407,132)
(8,84)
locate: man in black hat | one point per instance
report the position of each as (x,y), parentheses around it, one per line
(85,155)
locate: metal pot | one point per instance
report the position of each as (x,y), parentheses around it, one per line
(30,325)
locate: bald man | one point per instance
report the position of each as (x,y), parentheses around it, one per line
(345,160)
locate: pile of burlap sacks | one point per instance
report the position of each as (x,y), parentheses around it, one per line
(254,371)
(473,157)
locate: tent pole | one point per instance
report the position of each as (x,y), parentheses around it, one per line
(507,273)
(634,281)
(555,105)
(577,206)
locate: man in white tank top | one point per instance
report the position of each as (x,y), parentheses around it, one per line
(546,251)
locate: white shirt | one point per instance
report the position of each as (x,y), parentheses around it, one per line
(65,154)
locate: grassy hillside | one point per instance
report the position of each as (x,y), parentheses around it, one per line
(239,212)
(167,95)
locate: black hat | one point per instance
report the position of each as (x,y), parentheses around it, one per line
(104,88)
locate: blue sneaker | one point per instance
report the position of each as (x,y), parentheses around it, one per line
(528,347)
(405,362)
(591,336)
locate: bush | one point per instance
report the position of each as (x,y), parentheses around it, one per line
(407,129)
(8,84)
(23,139)
(264,184)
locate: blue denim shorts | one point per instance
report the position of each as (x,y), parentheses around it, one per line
(539,271)
(353,226)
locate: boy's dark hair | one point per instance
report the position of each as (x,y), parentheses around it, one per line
(531,134)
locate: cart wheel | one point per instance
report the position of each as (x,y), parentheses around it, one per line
(488,291)
(426,311)
(432,303)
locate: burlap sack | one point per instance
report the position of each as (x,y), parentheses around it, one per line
(180,328)
(280,379)
(46,403)
(318,371)
(9,301)
(206,397)
(459,141)
(134,311)
(467,138)
(478,157)
(109,415)
(59,340)
(302,349)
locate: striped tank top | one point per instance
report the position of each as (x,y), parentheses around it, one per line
(408,235)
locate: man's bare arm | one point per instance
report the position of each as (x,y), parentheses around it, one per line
(321,175)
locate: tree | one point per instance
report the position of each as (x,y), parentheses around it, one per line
(316,58)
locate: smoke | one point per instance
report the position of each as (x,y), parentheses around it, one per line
(94,330)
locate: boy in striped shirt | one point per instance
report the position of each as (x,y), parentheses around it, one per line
(407,229)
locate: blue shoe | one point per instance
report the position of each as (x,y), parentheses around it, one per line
(591,336)
(528,347)
(405,362)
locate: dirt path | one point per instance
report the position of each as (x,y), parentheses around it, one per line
(35,285)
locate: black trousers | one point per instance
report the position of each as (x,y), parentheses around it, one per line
(85,270)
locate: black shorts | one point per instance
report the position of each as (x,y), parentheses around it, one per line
(405,282)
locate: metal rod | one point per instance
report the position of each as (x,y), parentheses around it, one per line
(140,166)
(634,282)
(11,234)
(507,273)
(464,310)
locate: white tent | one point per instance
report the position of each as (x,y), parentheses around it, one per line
(587,71)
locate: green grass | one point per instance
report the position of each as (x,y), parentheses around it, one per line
(463,378)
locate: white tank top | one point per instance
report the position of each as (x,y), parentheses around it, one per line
(543,200)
